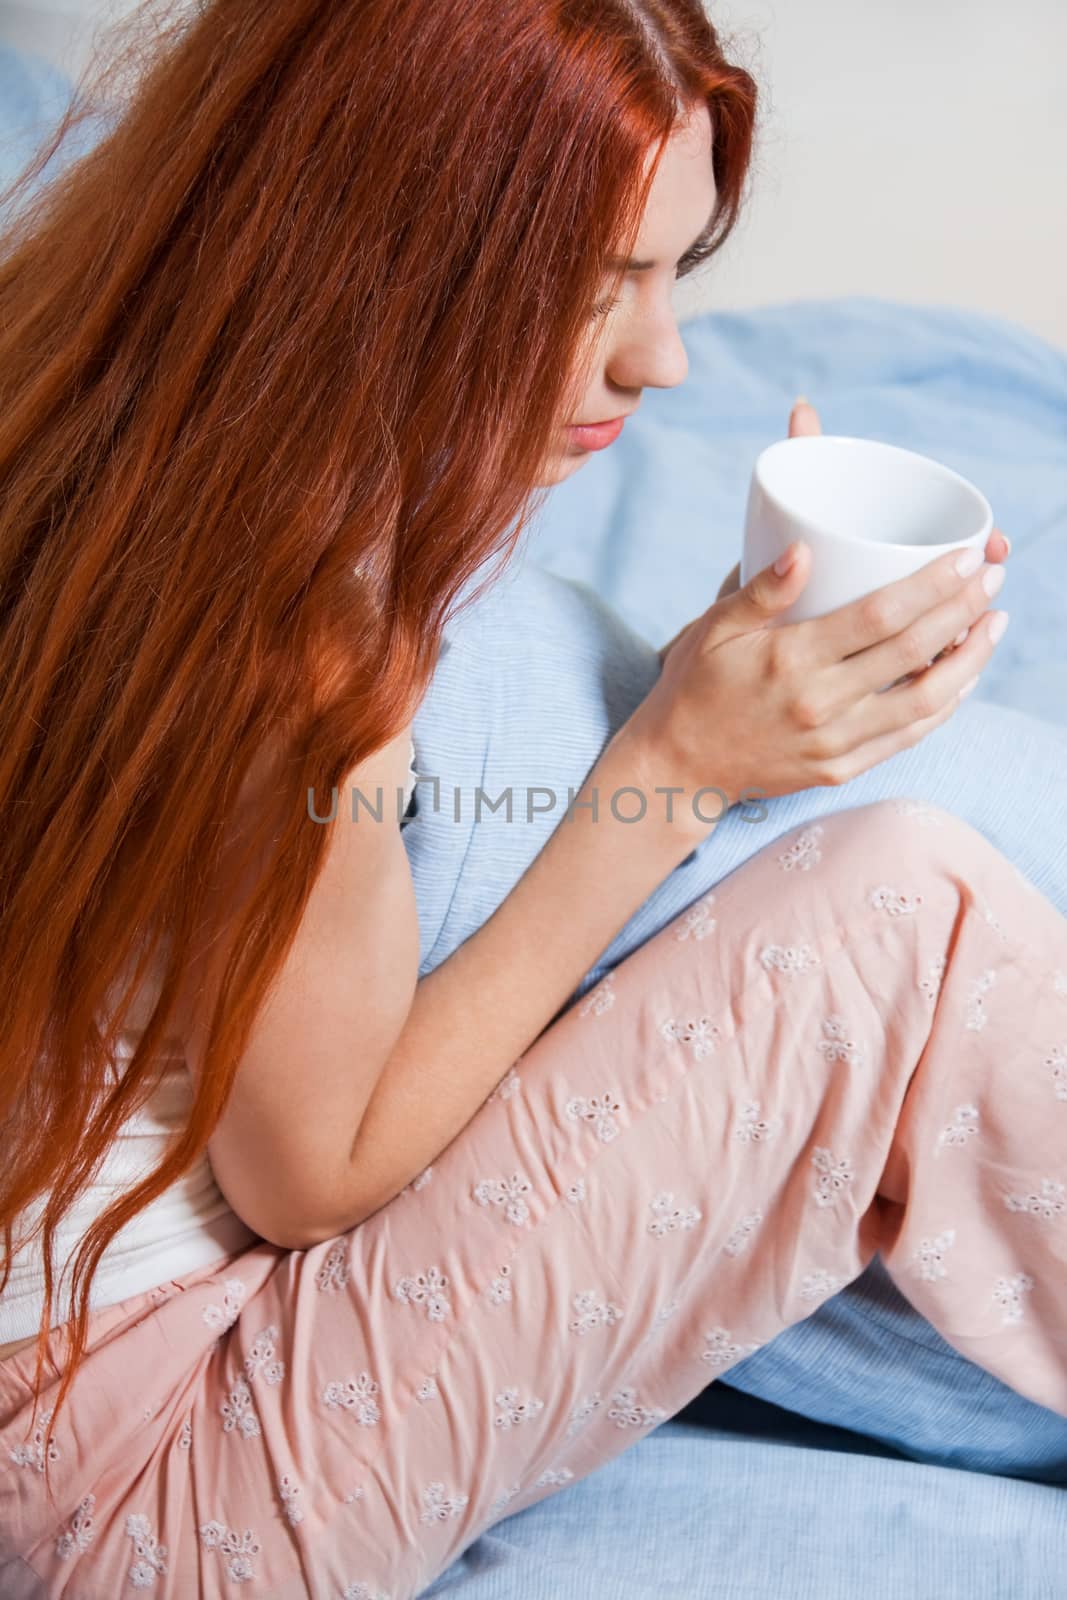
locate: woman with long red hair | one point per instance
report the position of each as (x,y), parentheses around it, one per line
(313,1269)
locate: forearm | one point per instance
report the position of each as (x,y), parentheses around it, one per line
(476,1013)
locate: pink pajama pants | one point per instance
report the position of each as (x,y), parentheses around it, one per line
(856,1043)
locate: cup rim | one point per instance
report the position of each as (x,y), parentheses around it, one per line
(946,473)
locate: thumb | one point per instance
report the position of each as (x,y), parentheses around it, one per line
(803,419)
(768,591)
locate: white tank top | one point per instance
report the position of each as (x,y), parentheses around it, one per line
(189,1225)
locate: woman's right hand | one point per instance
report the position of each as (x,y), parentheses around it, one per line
(746,707)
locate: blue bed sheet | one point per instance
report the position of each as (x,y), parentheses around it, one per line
(752,1505)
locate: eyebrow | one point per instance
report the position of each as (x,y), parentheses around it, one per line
(647,266)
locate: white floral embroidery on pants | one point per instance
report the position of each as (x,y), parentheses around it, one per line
(834,1176)
(837,1046)
(239,1412)
(33,1455)
(80,1535)
(789,958)
(741,1237)
(701,1033)
(964,1126)
(721,1350)
(288,1491)
(224,1316)
(896,904)
(600,1110)
(439,1507)
(626,1413)
(600,999)
(1056,1062)
(668,1218)
(754,1129)
(592,1313)
(698,920)
(151,1556)
(1008,1292)
(508,1195)
(356,1395)
(804,852)
(261,1358)
(426,1289)
(929,1258)
(238,1548)
(513,1411)
(333,1274)
(975,1014)
(1049,1203)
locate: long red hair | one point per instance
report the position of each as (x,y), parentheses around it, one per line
(281,356)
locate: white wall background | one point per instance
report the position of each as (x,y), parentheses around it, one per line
(914,149)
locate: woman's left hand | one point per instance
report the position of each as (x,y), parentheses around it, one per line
(804,419)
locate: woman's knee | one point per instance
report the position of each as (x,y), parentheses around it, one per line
(899,831)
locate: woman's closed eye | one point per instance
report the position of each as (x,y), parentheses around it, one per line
(692,259)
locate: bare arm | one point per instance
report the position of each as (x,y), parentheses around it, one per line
(357,1074)
(329,1022)
(482,1007)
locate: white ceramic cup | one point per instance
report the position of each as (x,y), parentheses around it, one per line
(872,513)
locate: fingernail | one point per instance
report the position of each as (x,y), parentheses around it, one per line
(785,560)
(998,622)
(961,636)
(992,579)
(801,400)
(969,561)
(1007,541)
(967,687)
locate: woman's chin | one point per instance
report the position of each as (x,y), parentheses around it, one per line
(564,464)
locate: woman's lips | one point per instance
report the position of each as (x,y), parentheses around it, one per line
(596,436)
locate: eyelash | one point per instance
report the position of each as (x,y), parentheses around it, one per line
(603,307)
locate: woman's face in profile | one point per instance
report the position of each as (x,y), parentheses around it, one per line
(634,340)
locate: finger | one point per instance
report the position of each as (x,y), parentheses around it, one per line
(928,608)
(954,644)
(925,695)
(997,550)
(803,419)
(939,634)
(998,546)
(880,749)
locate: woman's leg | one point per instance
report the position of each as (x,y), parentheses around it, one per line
(540,642)
(856,1043)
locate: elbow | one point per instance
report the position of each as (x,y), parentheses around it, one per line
(295,1238)
(292,1236)
(297,1233)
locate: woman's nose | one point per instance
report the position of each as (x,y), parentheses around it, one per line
(651,357)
